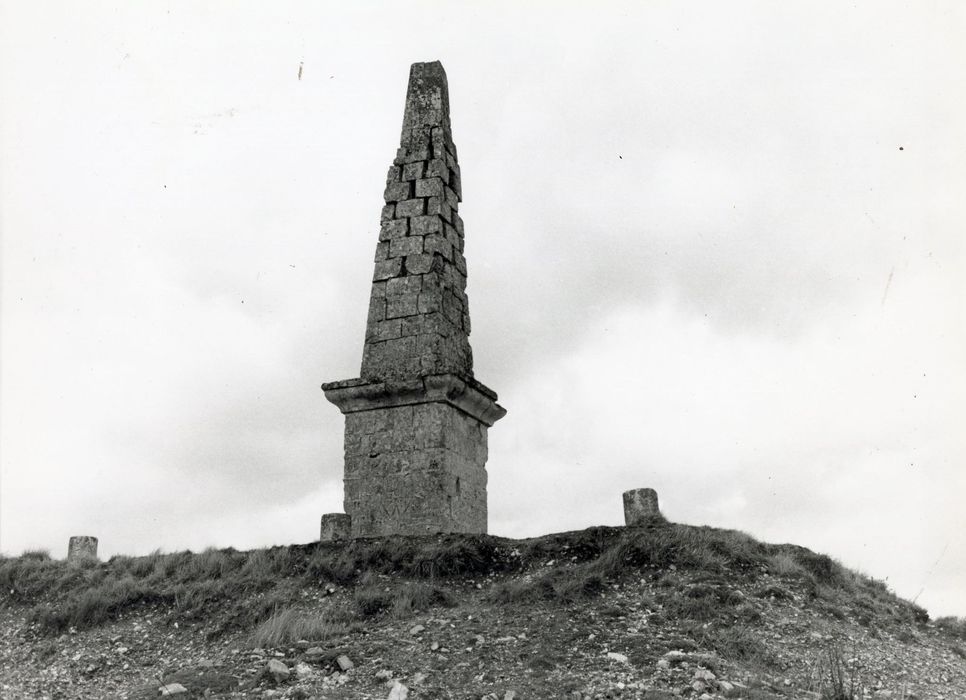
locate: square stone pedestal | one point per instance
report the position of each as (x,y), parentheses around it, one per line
(415,454)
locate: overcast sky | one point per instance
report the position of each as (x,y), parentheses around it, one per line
(714,248)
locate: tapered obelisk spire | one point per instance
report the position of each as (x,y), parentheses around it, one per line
(416,420)
(419,320)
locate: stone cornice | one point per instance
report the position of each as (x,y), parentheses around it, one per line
(468,395)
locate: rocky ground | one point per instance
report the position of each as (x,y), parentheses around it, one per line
(506,635)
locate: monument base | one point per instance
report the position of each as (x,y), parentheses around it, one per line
(415,454)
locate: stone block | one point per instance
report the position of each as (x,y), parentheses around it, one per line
(456,182)
(429,187)
(377,310)
(394,174)
(449,231)
(430,301)
(378,331)
(420,138)
(335,527)
(388,211)
(437,168)
(402,305)
(438,244)
(420,264)
(382,251)
(458,225)
(413,171)
(81,547)
(410,245)
(404,285)
(641,507)
(386,269)
(426,225)
(427,344)
(451,199)
(398,191)
(411,207)
(389,230)
(437,206)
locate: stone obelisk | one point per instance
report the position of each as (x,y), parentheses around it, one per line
(416,419)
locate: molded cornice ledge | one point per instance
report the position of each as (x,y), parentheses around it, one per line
(468,395)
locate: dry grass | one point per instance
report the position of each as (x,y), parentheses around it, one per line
(287,626)
(784,564)
(243,589)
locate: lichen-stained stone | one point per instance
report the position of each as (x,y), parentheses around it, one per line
(386,269)
(416,420)
(334,527)
(413,171)
(437,168)
(409,245)
(641,507)
(398,191)
(451,199)
(438,244)
(429,187)
(437,206)
(420,263)
(403,305)
(81,547)
(390,230)
(425,225)
(411,207)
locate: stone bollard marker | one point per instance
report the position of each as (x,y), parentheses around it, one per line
(81,547)
(335,526)
(640,507)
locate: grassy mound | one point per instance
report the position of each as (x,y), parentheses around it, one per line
(699,571)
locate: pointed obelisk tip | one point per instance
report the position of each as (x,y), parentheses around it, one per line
(427,99)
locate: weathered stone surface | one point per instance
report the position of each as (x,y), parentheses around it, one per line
(413,171)
(390,230)
(386,269)
(81,547)
(398,192)
(430,187)
(334,527)
(411,207)
(640,507)
(398,692)
(416,420)
(277,670)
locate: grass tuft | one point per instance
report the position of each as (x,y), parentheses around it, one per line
(287,626)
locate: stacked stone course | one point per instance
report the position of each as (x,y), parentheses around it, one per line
(416,419)
(419,319)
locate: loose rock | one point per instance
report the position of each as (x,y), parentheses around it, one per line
(277,670)
(398,692)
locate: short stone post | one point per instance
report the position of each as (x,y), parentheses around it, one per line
(81,547)
(640,507)
(335,526)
